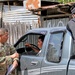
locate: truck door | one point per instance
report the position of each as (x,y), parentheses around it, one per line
(53,63)
(30,65)
(30,62)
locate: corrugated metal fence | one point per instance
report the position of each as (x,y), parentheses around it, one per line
(55,22)
(18,20)
(16,30)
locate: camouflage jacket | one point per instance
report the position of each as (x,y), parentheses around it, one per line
(5,50)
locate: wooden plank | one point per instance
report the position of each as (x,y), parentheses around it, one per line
(57,16)
(1,10)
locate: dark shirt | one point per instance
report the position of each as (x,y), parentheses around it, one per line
(71,27)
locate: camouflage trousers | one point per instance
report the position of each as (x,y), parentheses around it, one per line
(3,72)
(3,69)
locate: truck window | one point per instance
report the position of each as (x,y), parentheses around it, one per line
(55,47)
(30,39)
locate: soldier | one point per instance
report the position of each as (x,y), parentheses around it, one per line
(71,24)
(7,53)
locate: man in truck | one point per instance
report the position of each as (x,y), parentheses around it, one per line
(40,43)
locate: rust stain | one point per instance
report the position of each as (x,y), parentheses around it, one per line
(33,4)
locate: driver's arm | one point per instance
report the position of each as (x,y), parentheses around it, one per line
(29,45)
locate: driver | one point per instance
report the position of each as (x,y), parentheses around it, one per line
(40,43)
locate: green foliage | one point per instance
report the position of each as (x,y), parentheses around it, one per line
(65,1)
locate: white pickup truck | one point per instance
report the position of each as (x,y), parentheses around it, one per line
(56,56)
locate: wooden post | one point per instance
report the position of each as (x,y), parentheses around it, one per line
(9,5)
(1,14)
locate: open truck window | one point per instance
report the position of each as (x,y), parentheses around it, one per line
(30,38)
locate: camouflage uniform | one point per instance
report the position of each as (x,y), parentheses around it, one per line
(5,61)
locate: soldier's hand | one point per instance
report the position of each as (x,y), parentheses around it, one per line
(8,58)
(15,55)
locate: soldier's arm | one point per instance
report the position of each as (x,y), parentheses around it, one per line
(15,55)
(2,59)
(2,56)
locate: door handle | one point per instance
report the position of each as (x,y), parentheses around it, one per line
(34,62)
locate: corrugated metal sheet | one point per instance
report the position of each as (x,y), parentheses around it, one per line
(16,30)
(55,22)
(17,13)
(18,20)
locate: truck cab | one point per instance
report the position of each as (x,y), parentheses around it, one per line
(53,57)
